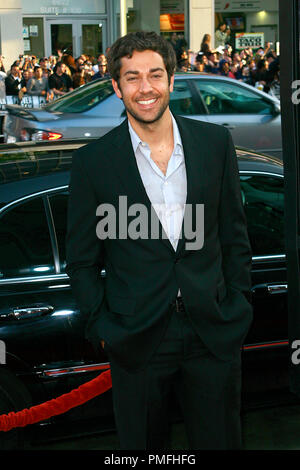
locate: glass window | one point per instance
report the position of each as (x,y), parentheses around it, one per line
(263,198)
(61,38)
(33,36)
(59,206)
(222,97)
(83,98)
(25,246)
(181,101)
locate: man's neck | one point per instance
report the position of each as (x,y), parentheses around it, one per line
(158,131)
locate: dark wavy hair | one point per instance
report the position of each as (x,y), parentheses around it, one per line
(140,41)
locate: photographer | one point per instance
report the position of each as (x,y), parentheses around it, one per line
(222,35)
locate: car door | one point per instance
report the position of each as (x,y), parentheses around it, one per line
(263,196)
(252,119)
(39,320)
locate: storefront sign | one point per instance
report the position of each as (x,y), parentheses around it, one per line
(244,6)
(61,7)
(34,30)
(171,6)
(253,40)
(26,45)
(25,31)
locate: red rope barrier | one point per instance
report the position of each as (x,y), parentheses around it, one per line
(57,406)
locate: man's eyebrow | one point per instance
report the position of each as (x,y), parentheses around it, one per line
(136,72)
(157,69)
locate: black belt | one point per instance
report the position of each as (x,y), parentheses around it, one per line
(178,305)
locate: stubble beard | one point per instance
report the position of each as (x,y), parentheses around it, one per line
(143,120)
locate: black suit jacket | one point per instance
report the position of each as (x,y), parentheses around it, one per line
(12,86)
(130,307)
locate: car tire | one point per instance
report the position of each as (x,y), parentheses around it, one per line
(13,397)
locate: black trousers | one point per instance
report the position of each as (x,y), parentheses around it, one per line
(208,391)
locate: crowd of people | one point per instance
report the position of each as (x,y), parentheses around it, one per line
(51,77)
(54,76)
(257,67)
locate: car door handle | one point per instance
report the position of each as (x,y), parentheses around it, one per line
(18,313)
(277,288)
(280,288)
(229,126)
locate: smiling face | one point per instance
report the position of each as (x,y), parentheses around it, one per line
(144,86)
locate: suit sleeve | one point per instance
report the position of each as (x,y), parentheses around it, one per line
(236,250)
(84,251)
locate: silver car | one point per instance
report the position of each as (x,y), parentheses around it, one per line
(252,116)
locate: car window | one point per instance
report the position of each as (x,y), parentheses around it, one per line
(181,101)
(263,198)
(83,98)
(59,206)
(25,246)
(222,97)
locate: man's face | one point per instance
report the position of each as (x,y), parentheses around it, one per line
(101,58)
(15,71)
(38,73)
(144,86)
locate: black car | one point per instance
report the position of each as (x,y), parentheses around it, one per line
(40,324)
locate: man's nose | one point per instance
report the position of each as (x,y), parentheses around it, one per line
(145,85)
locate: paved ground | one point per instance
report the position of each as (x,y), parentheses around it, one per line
(275,428)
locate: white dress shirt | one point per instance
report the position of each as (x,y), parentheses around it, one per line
(167,193)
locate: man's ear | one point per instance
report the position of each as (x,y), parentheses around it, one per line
(171,86)
(116,88)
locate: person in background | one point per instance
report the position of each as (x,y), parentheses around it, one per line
(13,80)
(60,82)
(260,76)
(200,62)
(212,65)
(26,76)
(69,61)
(101,59)
(222,35)
(183,63)
(102,69)
(205,47)
(45,66)
(2,68)
(52,62)
(38,85)
(84,73)
(224,68)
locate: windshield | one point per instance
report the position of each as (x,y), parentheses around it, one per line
(83,98)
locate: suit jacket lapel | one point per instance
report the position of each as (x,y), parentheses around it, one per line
(195,156)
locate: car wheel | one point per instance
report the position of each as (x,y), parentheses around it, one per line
(13,397)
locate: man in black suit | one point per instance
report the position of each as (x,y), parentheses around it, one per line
(13,81)
(172,310)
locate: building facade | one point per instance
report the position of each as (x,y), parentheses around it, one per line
(42,27)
